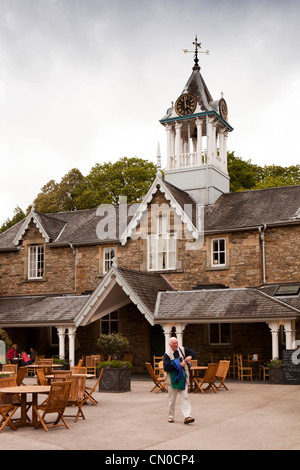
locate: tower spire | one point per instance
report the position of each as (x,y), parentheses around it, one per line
(196,52)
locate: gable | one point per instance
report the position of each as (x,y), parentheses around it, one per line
(182,204)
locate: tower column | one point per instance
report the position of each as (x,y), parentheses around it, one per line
(178,144)
(168,131)
(199,141)
(209,139)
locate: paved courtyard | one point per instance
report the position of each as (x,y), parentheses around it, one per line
(250,415)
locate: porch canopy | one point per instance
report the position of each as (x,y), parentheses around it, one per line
(235,305)
(44,311)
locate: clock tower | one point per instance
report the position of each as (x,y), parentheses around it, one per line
(197,129)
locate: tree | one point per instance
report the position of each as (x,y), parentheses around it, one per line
(59,197)
(18,215)
(130,177)
(243,174)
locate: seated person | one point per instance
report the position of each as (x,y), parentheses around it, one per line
(26,359)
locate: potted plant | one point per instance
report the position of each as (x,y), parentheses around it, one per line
(276,371)
(65,363)
(116,376)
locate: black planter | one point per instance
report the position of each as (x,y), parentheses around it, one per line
(115,380)
(277,375)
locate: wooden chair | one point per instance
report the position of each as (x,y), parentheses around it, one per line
(15,399)
(55,403)
(78,370)
(233,367)
(41,377)
(90,363)
(88,391)
(161,369)
(266,372)
(156,361)
(47,365)
(221,374)
(10,368)
(80,363)
(6,414)
(21,375)
(194,362)
(76,395)
(160,383)
(7,408)
(243,371)
(61,375)
(31,371)
(209,378)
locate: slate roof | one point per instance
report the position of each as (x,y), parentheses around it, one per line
(292,300)
(40,309)
(253,208)
(146,285)
(232,211)
(220,304)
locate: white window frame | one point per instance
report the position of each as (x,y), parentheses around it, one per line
(216,253)
(219,343)
(36,261)
(161,256)
(108,258)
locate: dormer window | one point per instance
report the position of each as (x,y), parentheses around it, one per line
(35,262)
(162,247)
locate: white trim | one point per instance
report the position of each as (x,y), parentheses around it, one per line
(32,216)
(143,208)
(112,277)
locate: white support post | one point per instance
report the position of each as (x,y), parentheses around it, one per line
(290,333)
(273,325)
(178,144)
(199,141)
(61,331)
(179,333)
(168,131)
(71,335)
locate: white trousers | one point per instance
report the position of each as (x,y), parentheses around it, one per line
(184,401)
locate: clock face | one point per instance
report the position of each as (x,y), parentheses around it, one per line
(186,104)
(223,109)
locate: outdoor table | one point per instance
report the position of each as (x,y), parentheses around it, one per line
(34,390)
(193,372)
(88,376)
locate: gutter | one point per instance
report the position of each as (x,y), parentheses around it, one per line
(262,230)
(75,267)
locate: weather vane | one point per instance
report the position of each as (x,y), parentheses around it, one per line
(196,51)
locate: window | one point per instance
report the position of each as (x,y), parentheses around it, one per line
(109,323)
(36,262)
(108,256)
(218,254)
(219,333)
(161,247)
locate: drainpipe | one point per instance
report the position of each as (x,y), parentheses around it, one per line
(262,230)
(75,273)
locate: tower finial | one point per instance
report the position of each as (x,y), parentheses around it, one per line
(196,52)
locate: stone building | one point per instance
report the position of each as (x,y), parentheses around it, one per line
(220,270)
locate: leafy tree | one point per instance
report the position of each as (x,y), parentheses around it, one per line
(18,215)
(59,197)
(130,177)
(243,174)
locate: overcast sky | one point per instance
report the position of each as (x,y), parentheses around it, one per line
(86,81)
